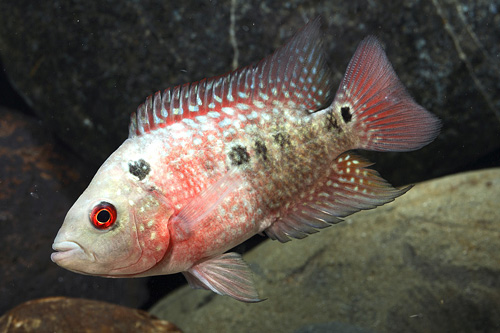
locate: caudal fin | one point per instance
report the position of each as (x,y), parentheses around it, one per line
(376,106)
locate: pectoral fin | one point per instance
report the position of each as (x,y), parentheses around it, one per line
(205,203)
(226,274)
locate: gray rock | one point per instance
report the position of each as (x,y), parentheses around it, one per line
(428,262)
(85,66)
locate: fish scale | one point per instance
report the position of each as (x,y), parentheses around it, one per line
(263,149)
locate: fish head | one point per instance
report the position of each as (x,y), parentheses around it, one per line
(118,226)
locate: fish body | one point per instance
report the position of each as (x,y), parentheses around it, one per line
(263,149)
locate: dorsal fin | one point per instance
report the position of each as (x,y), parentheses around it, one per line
(295,75)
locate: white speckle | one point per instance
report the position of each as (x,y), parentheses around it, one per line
(159,248)
(265,116)
(213,114)
(190,122)
(225,122)
(153,235)
(202,119)
(211,137)
(193,108)
(242,106)
(253,115)
(263,96)
(141,228)
(348,170)
(230,131)
(88,123)
(197,141)
(211,105)
(242,94)
(150,223)
(130,202)
(228,111)
(259,104)
(119,192)
(242,117)
(329,183)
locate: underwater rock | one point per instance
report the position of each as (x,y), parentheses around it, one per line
(61,314)
(39,181)
(85,67)
(428,262)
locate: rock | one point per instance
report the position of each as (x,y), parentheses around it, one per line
(61,314)
(84,67)
(39,181)
(428,262)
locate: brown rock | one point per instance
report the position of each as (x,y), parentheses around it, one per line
(61,314)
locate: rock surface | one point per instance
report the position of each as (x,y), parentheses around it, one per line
(60,314)
(428,262)
(39,181)
(84,67)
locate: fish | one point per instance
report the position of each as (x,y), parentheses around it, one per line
(265,149)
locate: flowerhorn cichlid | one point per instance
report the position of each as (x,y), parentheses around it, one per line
(263,149)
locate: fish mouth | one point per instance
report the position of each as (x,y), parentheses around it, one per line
(65,250)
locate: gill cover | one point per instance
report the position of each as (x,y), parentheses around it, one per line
(116,227)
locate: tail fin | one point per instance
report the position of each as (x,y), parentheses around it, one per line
(377,107)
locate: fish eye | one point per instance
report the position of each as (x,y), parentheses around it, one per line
(103,215)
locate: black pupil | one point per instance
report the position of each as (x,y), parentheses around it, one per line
(103,216)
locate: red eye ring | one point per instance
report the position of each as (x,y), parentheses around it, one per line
(103,215)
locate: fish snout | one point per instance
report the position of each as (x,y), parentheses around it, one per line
(65,250)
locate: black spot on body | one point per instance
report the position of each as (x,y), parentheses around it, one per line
(139,168)
(331,122)
(346,113)
(261,149)
(239,155)
(282,139)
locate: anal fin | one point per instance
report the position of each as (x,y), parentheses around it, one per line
(349,186)
(226,274)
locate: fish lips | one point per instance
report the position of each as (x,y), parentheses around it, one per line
(67,250)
